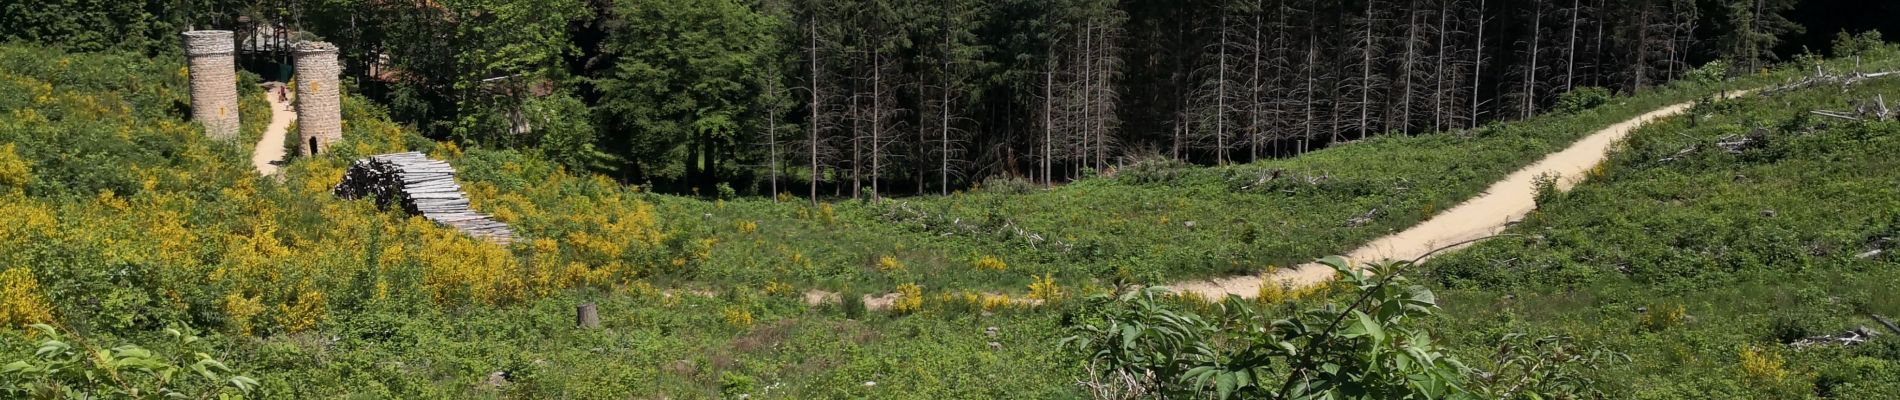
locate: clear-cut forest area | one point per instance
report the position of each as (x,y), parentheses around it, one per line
(1274,199)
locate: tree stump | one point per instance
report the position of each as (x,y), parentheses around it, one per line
(586,316)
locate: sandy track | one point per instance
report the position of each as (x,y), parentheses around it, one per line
(270,148)
(1504,203)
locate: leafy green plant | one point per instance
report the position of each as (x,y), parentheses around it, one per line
(1139,343)
(1373,347)
(62,368)
(1544,188)
(1546,367)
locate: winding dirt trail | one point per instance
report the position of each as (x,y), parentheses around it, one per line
(1504,203)
(270,148)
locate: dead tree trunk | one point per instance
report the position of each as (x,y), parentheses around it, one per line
(586,316)
(1477,66)
(1530,74)
(1570,51)
(812,53)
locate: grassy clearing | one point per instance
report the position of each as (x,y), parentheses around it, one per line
(118,220)
(657,345)
(1155,222)
(1704,265)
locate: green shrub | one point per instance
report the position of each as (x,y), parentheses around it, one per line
(1371,347)
(63,367)
(1583,98)
(1856,45)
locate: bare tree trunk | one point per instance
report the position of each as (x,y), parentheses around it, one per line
(1530,75)
(943,171)
(1312,58)
(1048,122)
(771,140)
(1085,75)
(1438,70)
(1411,48)
(1641,75)
(1675,32)
(1102,114)
(1754,30)
(877,118)
(1365,76)
(1477,66)
(1257,87)
(857,154)
(812,53)
(1220,98)
(1596,52)
(587,316)
(1570,66)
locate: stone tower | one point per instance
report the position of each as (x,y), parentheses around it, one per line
(214,100)
(319,98)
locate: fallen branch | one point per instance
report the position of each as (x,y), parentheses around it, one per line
(1856,336)
(1363,219)
(1884,321)
(1835,114)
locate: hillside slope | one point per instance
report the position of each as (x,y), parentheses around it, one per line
(1707,249)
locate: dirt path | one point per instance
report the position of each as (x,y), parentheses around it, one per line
(1505,202)
(1502,204)
(270,148)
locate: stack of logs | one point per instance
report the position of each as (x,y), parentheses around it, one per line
(423,187)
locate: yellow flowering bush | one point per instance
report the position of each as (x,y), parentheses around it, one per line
(22,221)
(14,171)
(737,317)
(612,230)
(910,299)
(240,309)
(1273,291)
(1760,365)
(304,313)
(776,288)
(993,302)
(889,263)
(990,263)
(1664,317)
(458,269)
(1044,288)
(205,239)
(20,300)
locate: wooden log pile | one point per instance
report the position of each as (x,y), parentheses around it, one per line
(421,186)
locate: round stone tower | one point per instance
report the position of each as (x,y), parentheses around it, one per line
(210,57)
(319,98)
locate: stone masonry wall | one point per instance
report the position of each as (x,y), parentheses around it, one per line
(214,100)
(319,97)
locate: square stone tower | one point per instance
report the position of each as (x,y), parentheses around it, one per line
(210,57)
(319,98)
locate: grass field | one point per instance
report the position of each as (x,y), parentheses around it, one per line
(118,221)
(1703,265)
